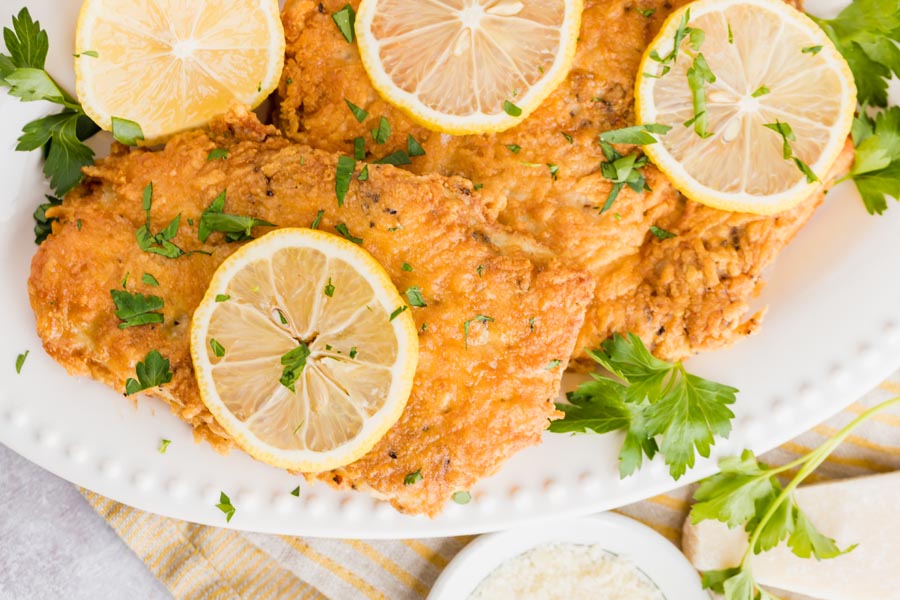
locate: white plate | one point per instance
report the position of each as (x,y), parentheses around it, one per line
(832,333)
(651,553)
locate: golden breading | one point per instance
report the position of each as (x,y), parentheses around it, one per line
(681,296)
(474,402)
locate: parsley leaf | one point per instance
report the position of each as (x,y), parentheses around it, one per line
(345,168)
(360,114)
(293,361)
(217,348)
(511,109)
(398,158)
(636,134)
(787,136)
(43,225)
(381,133)
(26,42)
(225,506)
(661,234)
(150,280)
(136,309)
(126,132)
(237,228)
(345,19)
(865,33)
(217,154)
(876,169)
(359,150)
(341,228)
(698,75)
(659,404)
(413,147)
(20,361)
(622,171)
(153,372)
(669,59)
(414,295)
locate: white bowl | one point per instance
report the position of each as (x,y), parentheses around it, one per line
(651,553)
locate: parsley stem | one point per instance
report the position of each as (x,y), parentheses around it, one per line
(812,462)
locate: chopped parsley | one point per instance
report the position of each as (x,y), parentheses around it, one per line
(397,312)
(413,147)
(636,134)
(730,34)
(554,171)
(531,323)
(669,59)
(553,364)
(293,361)
(413,478)
(477,186)
(360,114)
(698,75)
(407,267)
(222,297)
(345,168)
(787,136)
(237,228)
(296,492)
(381,133)
(511,109)
(661,234)
(91,53)
(153,372)
(760,91)
(217,154)
(622,171)
(467,324)
(811,50)
(217,348)
(150,280)
(364,174)
(341,228)
(398,159)
(646,12)
(329,289)
(514,148)
(125,280)
(20,361)
(359,150)
(568,137)
(353,352)
(126,132)
(661,407)
(480,270)
(317,220)
(163,446)
(136,309)
(414,295)
(225,506)
(462,497)
(345,19)
(160,243)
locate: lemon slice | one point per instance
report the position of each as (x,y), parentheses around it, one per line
(170,65)
(467,66)
(300,352)
(772,66)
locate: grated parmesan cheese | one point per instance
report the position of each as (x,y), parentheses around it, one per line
(567,572)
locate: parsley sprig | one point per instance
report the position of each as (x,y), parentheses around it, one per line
(237,228)
(625,170)
(747,493)
(153,372)
(158,243)
(137,309)
(661,407)
(60,135)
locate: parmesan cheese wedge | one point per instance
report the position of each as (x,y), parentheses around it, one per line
(855,511)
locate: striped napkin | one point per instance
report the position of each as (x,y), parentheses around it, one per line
(198,562)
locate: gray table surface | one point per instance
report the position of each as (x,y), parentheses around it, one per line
(53,545)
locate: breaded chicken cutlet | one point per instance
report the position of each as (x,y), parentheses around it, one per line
(474,402)
(681,295)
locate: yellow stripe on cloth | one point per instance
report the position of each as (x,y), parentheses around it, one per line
(199,562)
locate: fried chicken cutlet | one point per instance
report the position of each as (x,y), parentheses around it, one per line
(681,295)
(476,399)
